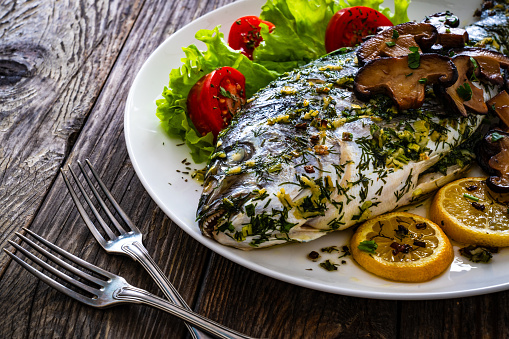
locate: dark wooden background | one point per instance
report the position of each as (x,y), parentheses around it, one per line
(65,71)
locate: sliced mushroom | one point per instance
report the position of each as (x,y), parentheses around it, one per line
(452,37)
(488,147)
(454,93)
(500,104)
(406,86)
(489,63)
(443,19)
(449,35)
(386,44)
(500,163)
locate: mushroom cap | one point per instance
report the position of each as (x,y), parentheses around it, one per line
(411,34)
(487,148)
(500,104)
(449,35)
(476,103)
(442,19)
(405,85)
(500,163)
(489,62)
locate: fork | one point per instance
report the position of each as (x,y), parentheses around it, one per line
(129,242)
(109,290)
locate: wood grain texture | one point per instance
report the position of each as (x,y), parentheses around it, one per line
(55,57)
(65,71)
(270,308)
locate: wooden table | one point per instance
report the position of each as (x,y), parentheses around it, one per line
(65,71)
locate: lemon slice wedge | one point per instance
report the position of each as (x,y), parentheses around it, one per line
(402,246)
(469,212)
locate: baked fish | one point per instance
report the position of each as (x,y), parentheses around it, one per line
(305,157)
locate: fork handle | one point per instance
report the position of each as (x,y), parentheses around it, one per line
(138,252)
(139,296)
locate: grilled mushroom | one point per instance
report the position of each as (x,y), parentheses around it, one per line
(463,94)
(395,41)
(449,35)
(443,19)
(500,104)
(489,63)
(500,163)
(405,85)
(487,148)
(493,157)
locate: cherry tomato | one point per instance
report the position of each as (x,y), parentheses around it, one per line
(348,26)
(245,34)
(215,98)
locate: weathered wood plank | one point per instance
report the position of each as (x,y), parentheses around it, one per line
(472,317)
(269,308)
(55,57)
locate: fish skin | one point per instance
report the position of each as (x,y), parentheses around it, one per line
(257,190)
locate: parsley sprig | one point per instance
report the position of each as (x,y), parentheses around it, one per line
(369,246)
(465,91)
(414,58)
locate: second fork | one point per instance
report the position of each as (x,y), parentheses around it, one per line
(128,242)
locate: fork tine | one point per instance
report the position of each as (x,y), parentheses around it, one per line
(84,214)
(71,257)
(50,268)
(100,200)
(117,207)
(94,210)
(59,261)
(51,282)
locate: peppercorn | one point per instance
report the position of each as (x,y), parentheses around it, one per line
(309,169)
(478,206)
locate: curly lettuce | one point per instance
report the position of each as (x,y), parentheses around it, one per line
(299,37)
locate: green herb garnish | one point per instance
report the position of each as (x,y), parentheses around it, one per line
(423,80)
(250,210)
(471,197)
(478,253)
(330,249)
(414,58)
(225,93)
(390,43)
(465,91)
(328,265)
(496,136)
(476,66)
(369,246)
(395,34)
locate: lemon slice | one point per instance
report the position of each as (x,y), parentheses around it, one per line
(469,212)
(403,247)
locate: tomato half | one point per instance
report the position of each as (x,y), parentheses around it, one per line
(215,98)
(245,34)
(348,26)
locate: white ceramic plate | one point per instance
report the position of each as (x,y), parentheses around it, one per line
(157,160)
